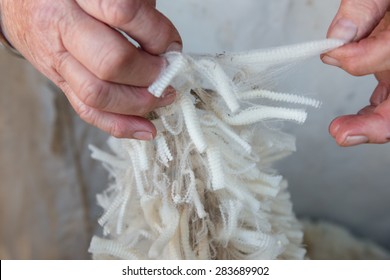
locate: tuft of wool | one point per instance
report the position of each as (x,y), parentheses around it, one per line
(206,188)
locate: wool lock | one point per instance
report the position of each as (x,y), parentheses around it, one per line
(206,188)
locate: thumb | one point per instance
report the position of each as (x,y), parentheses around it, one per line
(356,19)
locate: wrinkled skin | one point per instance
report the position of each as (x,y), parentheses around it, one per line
(75,43)
(365,24)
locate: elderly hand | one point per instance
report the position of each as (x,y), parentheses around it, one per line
(76,44)
(365,24)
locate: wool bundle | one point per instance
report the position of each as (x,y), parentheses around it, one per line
(205,187)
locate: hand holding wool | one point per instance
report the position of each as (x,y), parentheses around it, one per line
(366,25)
(76,44)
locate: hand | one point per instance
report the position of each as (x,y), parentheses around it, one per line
(75,43)
(365,25)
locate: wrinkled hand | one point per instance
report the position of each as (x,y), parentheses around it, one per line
(75,43)
(366,25)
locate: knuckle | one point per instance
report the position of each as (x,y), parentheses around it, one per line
(363,10)
(60,61)
(111,62)
(86,113)
(93,94)
(370,9)
(115,128)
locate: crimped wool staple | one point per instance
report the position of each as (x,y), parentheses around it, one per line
(206,188)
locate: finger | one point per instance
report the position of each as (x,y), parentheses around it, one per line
(107,54)
(354,130)
(365,57)
(117,125)
(356,19)
(152,2)
(380,94)
(367,110)
(371,126)
(109,97)
(140,20)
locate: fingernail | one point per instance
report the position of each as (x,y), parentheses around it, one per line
(169,92)
(331,61)
(344,29)
(168,97)
(355,140)
(143,135)
(174,47)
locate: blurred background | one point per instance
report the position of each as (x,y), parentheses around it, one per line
(48,182)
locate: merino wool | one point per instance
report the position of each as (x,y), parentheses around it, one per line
(205,187)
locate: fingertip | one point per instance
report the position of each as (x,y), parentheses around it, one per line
(143,135)
(144,131)
(334,127)
(330,61)
(354,130)
(346,133)
(357,19)
(168,97)
(175,47)
(344,139)
(128,127)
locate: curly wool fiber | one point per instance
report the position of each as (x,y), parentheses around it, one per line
(205,187)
